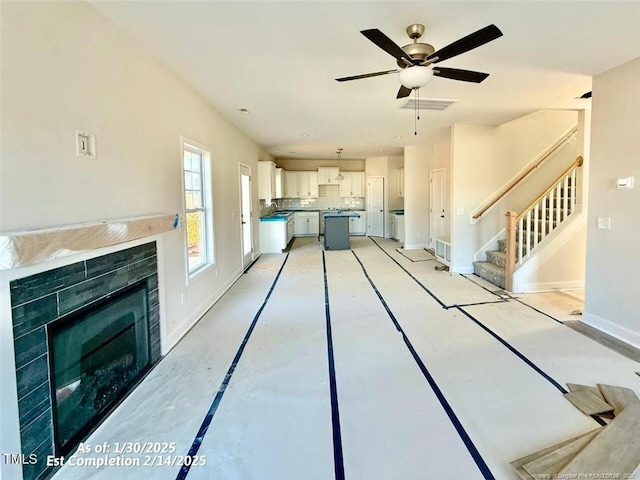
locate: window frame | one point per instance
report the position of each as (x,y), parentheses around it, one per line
(206,188)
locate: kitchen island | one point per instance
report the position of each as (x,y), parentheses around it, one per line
(336,230)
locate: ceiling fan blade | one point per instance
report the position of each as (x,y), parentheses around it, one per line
(403,92)
(365,75)
(474,40)
(462,75)
(388,45)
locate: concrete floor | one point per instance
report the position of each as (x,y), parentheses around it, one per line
(359,364)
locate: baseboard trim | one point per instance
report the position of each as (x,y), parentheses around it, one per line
(621,333)
(184,327)
(416,246)
(550,286)
(462,270)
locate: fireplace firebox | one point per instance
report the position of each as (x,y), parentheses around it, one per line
(95,354)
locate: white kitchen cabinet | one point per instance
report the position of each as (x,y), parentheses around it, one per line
(279,191)
(275,234)
(352,185)
(307,224)
(400,228)
(327,175)
(396,226)
(392,226)
(301,185)
(266,181)
(401,182)
(358,226)
(291,227)
(290,184)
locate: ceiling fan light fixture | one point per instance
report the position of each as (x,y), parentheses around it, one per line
(415,77)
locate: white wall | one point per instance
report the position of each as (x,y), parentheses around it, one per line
(64,67)
(474,151)
(417,161)
(394,164)
(613,257)
(442,161)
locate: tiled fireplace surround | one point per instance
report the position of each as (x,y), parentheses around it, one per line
(43,298)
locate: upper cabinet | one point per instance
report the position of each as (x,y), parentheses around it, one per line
(266,180)
(279,192)
(301,185)
(327,175)
(352,185)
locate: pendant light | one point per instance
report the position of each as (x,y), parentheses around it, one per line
(339,177)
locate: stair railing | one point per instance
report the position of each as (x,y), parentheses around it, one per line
(525,230)
(499,195)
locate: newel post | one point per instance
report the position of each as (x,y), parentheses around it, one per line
(511,250)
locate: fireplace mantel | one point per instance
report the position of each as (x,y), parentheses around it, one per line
(25,248)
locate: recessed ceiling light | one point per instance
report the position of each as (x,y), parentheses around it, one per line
(304,134)
(398,137)
(244,111)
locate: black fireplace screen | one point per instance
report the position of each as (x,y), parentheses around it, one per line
(96,356)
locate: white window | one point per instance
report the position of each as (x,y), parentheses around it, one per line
(198,207)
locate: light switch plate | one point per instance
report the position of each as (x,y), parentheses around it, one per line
(85,144)
(604,223)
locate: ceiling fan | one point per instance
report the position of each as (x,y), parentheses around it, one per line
(416,59)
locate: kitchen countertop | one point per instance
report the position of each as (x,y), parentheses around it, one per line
(281,215)
(397,212)
(341,213)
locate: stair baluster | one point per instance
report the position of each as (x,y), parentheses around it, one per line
(526,230)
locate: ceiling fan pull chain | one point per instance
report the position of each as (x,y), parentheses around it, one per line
(415,112)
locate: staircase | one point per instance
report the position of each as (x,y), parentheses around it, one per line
(526,231)
(493,270)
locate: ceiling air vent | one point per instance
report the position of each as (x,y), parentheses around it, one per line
(428,104)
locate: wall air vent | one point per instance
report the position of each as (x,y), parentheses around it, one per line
(428,104)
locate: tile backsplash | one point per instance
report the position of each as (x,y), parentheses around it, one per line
(329,199)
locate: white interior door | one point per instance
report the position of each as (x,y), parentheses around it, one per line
(246,215)
(438,206)
(375,206)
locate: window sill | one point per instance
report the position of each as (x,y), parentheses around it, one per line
(200,272)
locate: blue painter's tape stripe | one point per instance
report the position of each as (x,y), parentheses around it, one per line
(338,460)
(464,436)
(535,309)
(522,357)
(512,349)
(197,442)
(408,273)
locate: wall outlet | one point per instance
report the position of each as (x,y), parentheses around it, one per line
(458,253)
(604,223)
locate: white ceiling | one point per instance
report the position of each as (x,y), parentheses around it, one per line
(279,59)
